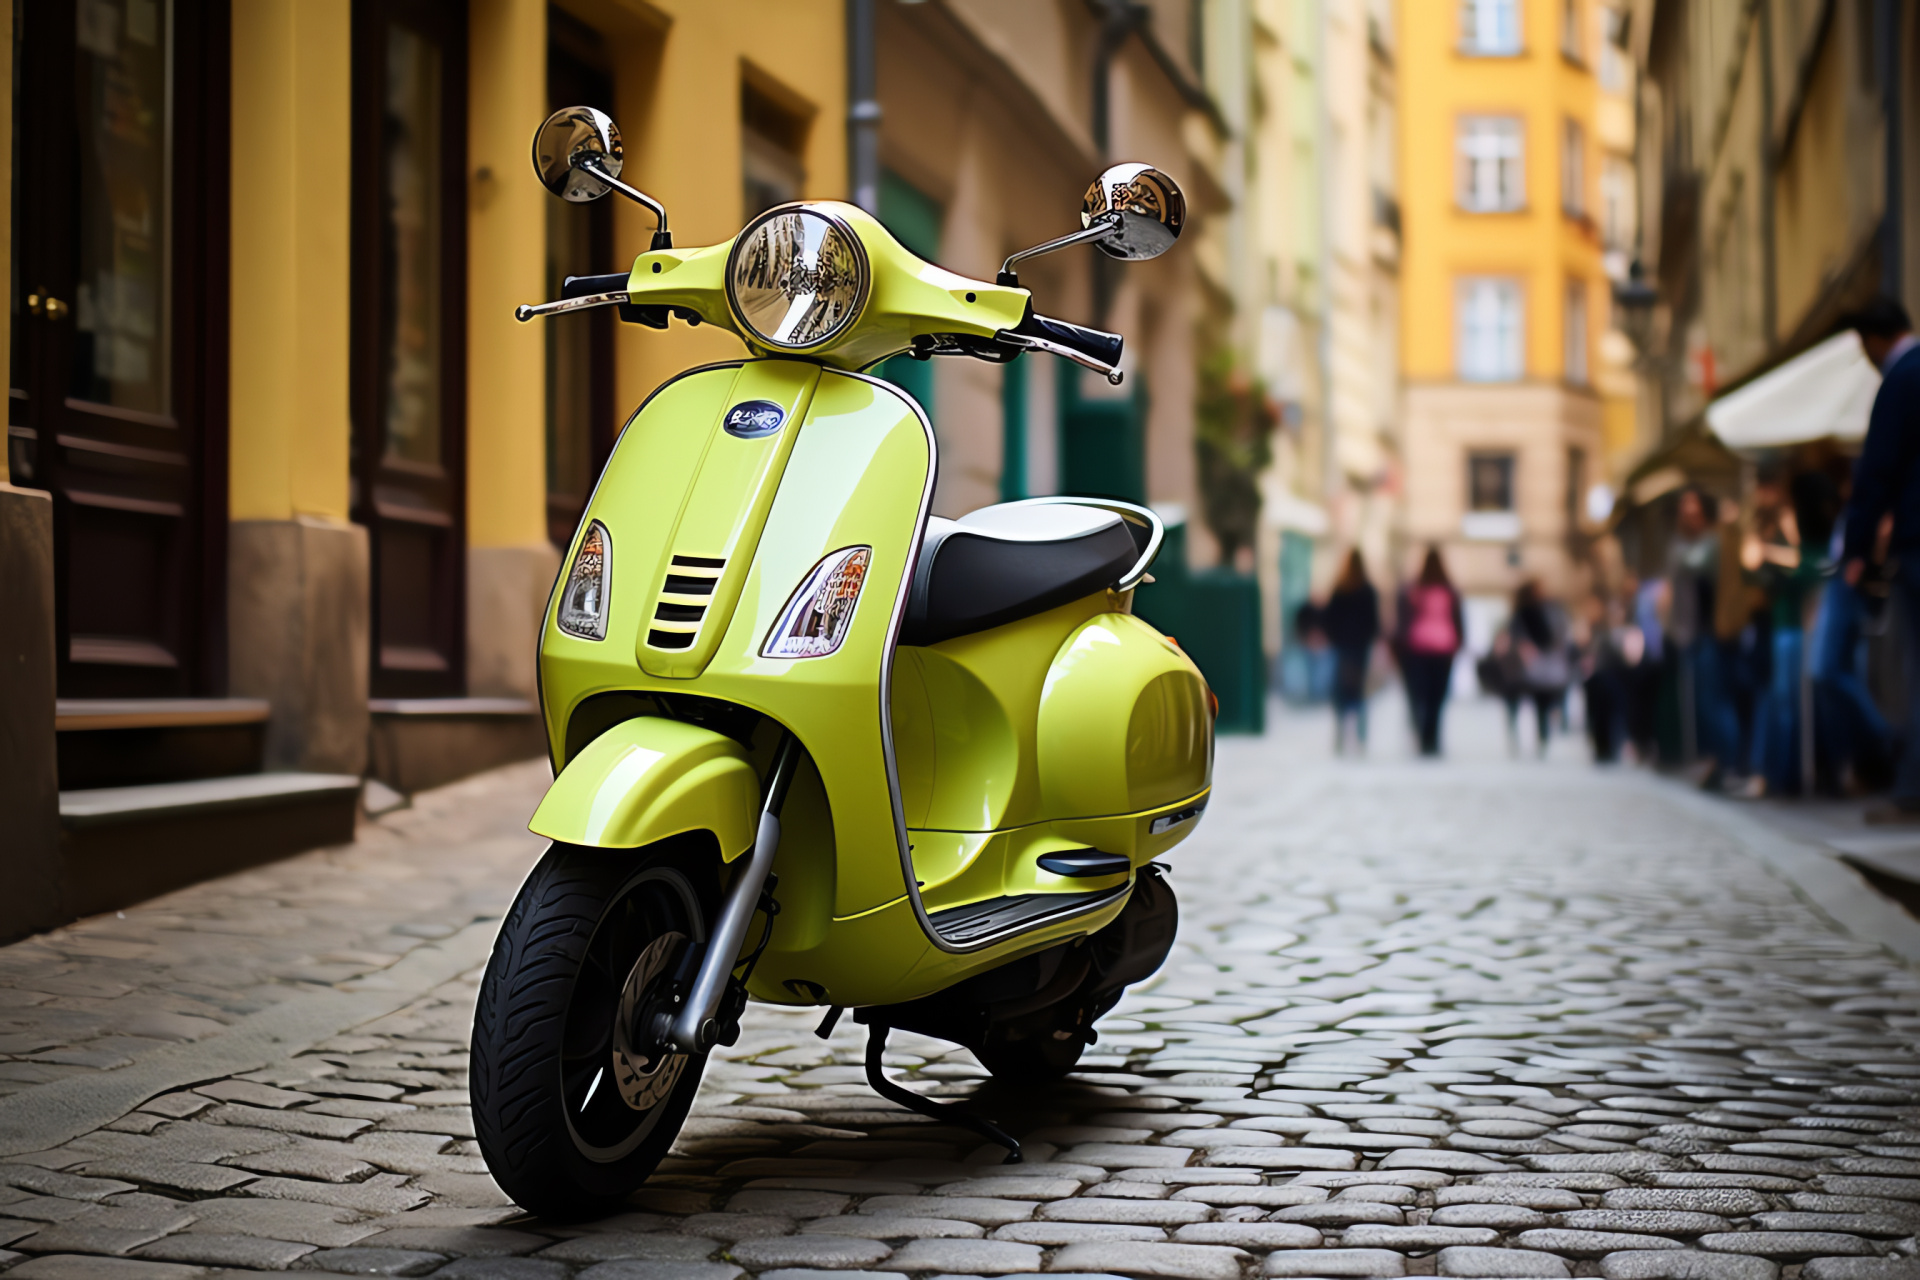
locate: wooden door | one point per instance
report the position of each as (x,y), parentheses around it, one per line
(409,327)
(580,409)
(119,344)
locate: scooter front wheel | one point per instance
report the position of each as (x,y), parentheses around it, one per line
(571,1113)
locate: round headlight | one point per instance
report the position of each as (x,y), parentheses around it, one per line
(797,277)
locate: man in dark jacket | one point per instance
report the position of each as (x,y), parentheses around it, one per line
(1886,480)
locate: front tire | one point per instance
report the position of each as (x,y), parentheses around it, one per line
(570,1119)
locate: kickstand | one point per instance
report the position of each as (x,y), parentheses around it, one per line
(947,1112)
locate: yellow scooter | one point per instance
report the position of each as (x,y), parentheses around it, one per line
(814,745)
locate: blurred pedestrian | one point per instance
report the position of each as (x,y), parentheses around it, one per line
(1856,739)
(1351,621)
(1785,554)
(1886,480)
(1643,682)
(1693,572)
(1537,640)
(1430,626)
(1615,648)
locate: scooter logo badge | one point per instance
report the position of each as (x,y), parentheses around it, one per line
(754,419)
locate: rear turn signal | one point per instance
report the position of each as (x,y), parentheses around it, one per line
(820,613)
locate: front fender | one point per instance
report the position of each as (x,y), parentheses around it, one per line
(649,778)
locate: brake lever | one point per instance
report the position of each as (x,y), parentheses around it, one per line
(524,312)
(1029,342)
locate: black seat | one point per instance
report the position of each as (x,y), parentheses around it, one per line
(1002,563)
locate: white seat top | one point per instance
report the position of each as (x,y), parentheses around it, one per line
(1038,522)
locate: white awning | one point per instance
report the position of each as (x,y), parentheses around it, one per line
(1824,391)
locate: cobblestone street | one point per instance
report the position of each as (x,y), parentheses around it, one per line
(1484,1018)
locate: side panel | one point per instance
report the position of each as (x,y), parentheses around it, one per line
(1123,724)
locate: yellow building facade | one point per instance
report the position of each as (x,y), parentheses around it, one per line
(284,478)
(1505,291)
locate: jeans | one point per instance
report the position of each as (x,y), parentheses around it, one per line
(1428,676)
(1848,719)
(1906,783)
(1776,721)
(1716,724)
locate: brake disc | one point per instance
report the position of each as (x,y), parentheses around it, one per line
(642,1079)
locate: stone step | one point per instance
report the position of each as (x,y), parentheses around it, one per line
(127,844)
(113,742)
(420,743)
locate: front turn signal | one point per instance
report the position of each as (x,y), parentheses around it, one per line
(583,600)
(819,615)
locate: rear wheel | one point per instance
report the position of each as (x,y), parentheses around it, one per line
(571,1111)
(1040,1047)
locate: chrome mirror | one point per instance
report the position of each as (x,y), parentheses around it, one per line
(578,157)
(1147,204)
(575,151)
(1132,212)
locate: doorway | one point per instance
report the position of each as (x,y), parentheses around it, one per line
(580,411)
(409,337)
(117,398)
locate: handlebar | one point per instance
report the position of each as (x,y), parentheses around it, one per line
(590,286)
(1095,344)
(1094,349)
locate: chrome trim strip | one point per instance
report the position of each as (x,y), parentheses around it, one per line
(1156,535)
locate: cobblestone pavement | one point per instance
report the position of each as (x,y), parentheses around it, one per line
(1475,1019)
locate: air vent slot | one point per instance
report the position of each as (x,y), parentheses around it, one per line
(682,606)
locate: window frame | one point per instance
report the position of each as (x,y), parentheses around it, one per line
(1510,365)
(1573,168)
(1473,133)
(1474,22)
(1507,462)
(1576,337)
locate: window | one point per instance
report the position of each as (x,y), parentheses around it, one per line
(1489,329)
(1490,482)
(1616,203)
(1576,485)
(1613,55)
(1490,28)
(1570,42)
(1573,169)
(773,137)
(1491,176)
(1576,333)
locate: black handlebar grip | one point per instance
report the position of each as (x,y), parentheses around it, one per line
(587,286)
(1097,343)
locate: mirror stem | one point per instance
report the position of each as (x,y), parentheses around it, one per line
(662,238)
(1102,227)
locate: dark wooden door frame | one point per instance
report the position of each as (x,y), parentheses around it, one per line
(573,41)
(46,424)
(432,498)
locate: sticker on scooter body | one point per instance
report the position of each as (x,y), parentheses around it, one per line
(754,419)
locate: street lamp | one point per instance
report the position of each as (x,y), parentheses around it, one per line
(1634,299)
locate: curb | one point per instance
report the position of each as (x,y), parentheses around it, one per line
(1839,891)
